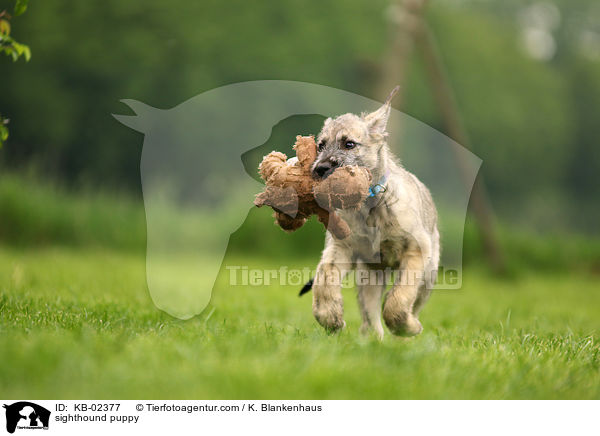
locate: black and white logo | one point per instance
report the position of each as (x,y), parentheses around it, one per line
(26,415)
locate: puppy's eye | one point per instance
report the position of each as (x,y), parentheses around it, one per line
(349,145)
(321,145)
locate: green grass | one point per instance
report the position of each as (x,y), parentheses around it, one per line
(79,323)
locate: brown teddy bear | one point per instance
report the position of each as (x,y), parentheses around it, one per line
(294,194)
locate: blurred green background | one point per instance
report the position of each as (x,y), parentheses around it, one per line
(527,80)
(526,76)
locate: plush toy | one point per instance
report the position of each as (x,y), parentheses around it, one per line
(294,194)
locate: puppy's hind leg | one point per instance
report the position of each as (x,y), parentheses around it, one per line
(399,303)
(371,285)
(431,272)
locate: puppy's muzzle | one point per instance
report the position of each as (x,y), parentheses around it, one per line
(323,169)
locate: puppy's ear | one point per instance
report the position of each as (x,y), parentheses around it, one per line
(377,121)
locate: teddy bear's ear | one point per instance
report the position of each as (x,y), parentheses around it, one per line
(306,150)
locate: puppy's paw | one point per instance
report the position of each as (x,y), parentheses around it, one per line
(402,323)
(330,316)
(367,330)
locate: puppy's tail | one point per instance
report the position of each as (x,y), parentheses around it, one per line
(307,287)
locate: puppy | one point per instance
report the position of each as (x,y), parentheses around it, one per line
(394,233)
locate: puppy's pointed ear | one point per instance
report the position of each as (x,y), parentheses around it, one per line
(377,121)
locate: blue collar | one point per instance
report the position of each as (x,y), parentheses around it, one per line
(378,187)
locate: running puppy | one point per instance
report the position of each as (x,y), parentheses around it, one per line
(394,234)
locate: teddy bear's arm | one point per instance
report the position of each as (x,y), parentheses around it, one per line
(332,222)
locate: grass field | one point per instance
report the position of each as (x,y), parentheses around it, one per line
(79,323)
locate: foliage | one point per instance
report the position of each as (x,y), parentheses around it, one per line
(39,214)
(35,213)
(9,46)
(3,130)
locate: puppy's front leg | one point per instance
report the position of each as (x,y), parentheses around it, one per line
(398,311)
(328,305)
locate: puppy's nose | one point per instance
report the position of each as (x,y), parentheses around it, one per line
(323,170)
